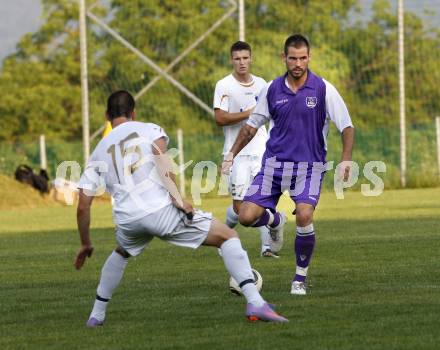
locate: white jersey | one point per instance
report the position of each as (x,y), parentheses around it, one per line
(233,97)
(123,162)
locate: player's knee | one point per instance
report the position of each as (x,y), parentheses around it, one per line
(122,252)
(224,236)
(304,217)
(230,233)
(246,217)
(249,213)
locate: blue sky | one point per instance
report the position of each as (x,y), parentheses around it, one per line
(17,17)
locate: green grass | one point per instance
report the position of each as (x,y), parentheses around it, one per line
(375,283)
(14,194)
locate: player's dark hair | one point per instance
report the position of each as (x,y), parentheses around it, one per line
(240,45)
(297,41)
(120,104)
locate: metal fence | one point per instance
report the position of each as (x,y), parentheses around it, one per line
(170,54)
(379,144)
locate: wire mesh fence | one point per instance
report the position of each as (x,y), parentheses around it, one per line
(379,144)
(354,46)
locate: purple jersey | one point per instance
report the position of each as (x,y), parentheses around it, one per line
(300,121)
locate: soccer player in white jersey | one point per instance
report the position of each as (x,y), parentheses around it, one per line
(235,97)
(132,165)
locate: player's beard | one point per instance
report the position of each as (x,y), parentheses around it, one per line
(297,73)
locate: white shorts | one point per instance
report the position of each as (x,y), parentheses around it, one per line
(242,173)
(168,224)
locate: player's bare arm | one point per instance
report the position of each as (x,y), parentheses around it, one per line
(347,148)
(83,221)
(165,166)
(245,136)
(223,118)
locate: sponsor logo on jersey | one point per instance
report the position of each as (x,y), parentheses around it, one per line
(284,100)
(311,101)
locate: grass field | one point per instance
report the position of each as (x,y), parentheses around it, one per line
(375,283)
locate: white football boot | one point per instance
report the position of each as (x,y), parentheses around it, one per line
(298,288)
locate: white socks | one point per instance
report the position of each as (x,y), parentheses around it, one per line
(111,275)
(235,259)
(237,263)
(231,217)
(265,238)
(98,310)
(231,221)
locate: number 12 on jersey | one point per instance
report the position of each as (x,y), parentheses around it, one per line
(128,169)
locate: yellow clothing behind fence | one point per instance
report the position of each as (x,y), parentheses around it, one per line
(108,128)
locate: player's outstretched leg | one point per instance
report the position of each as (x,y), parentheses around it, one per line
(111,275)
(254,215)
(237,263)
(304,246)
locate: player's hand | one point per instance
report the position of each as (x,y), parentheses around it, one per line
(188,210)
(186,207)
(346,174)
(227,163)
(226,166)
(250,110)
(345,171)
(84,252)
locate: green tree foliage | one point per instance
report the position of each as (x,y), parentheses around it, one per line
(373,52)
(40,85)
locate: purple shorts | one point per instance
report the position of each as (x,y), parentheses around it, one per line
(302,180)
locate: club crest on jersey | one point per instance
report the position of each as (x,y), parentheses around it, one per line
(311,101)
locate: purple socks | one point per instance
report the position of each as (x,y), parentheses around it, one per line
(266,217)
(304,245)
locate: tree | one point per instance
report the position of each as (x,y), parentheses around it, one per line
(40,83)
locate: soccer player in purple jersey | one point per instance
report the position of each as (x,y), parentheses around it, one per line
(299,106)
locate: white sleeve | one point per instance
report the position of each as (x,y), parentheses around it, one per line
(155,132)
(260,115)
(335,108)
(92,181)
(221,98)
(263,82)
